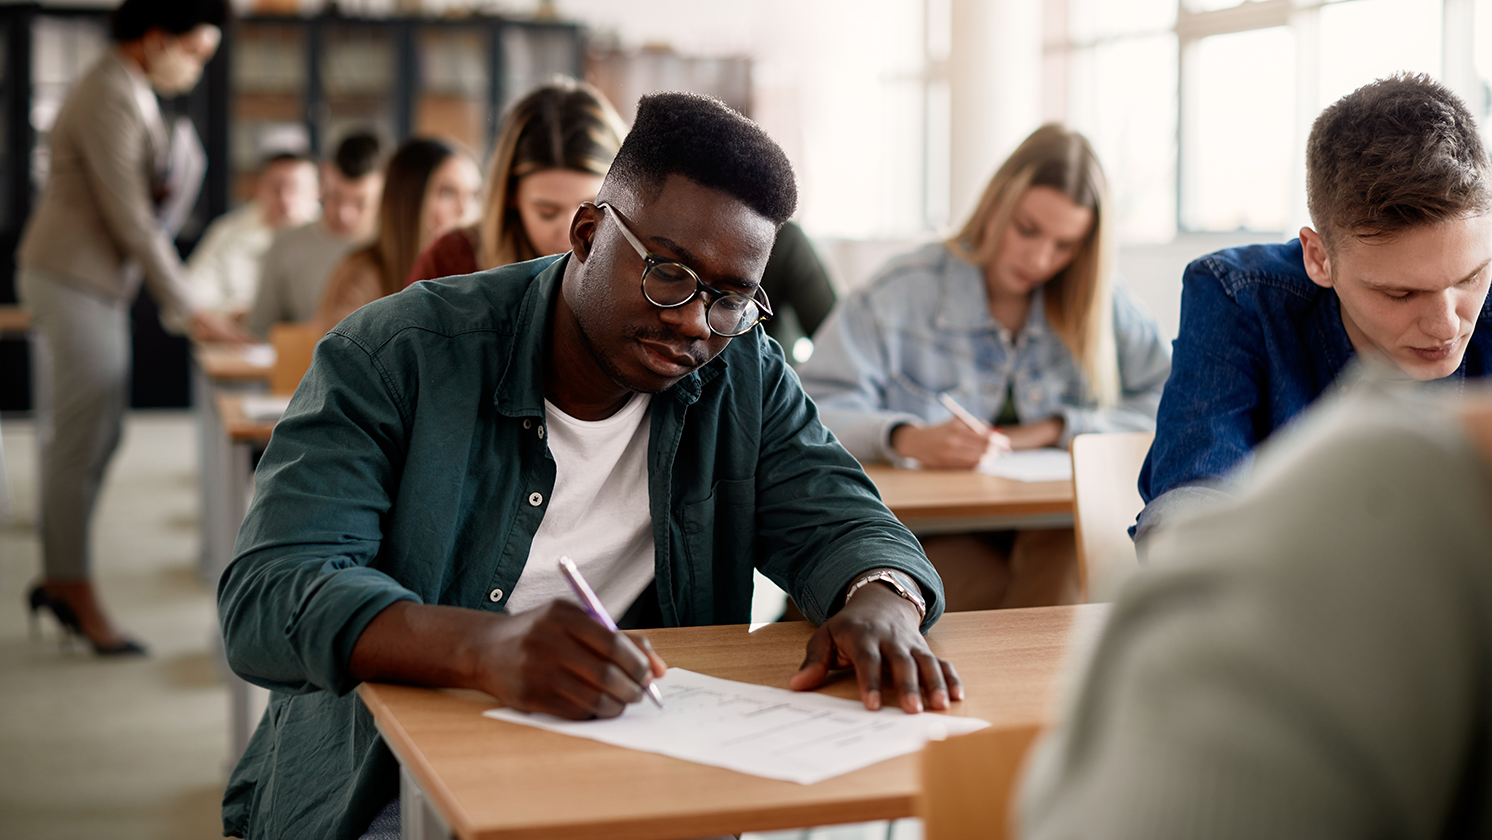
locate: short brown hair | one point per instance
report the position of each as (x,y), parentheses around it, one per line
(1392,155)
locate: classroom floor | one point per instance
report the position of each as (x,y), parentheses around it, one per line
(136,748)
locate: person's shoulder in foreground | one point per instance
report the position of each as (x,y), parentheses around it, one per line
(399,508)
(1399,187)
(1310,660)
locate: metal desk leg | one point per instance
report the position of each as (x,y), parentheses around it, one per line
(418,819)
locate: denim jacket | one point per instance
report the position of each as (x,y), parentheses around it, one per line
(1258,343)
(412,464)
(922,327)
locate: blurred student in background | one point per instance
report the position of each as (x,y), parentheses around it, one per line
(295,267)
(429,188)
(225,266)
(1018,320)
(554,149)
(95,230)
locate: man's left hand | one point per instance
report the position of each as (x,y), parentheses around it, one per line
(876,634)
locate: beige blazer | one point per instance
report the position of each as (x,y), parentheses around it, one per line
(97,214)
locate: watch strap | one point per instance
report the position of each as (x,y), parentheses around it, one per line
(900,582)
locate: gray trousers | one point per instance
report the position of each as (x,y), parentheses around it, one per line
(80,370)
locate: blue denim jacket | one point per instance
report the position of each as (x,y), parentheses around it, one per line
(1258,343)
(922,327)
(412,464)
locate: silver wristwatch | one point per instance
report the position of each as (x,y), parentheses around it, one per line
(899,581)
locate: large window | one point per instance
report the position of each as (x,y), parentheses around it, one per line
(1200,108)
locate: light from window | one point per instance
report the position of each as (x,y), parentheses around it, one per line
(1482,53)
(1370,39)
(1243,132)
(1123,99)
(1091,20)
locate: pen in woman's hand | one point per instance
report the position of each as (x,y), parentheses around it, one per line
(592,605)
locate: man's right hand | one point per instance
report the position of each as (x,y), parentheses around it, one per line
(558,660)
(554,658)
(950,445)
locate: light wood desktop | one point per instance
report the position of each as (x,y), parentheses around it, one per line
(15,321)
(958,501)
(231,362)
(468,776)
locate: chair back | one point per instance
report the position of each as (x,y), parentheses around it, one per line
(968,783)
(293,344)
(1106,499)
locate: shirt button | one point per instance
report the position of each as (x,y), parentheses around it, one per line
(528,424)
(535,499)
(541,433)
(495,595)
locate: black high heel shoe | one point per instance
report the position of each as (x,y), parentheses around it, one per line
(72,628)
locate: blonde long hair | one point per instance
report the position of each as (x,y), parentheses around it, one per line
(564,124)
(1079,300)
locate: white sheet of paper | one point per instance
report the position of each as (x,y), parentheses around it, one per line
(1030,465)
(261,355)
(790,735)
(265,408)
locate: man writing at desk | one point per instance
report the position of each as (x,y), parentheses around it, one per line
(615,404)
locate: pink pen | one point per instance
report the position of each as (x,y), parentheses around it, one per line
(593,606)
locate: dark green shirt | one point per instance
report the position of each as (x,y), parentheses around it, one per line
(412,464)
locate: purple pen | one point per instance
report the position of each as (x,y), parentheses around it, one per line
(592,605)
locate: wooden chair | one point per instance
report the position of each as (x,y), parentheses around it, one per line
(1106,499)
(968,783)
(293,344)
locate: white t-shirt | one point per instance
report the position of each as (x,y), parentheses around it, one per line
(598,513)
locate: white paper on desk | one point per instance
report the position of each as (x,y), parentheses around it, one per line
(260,355)
(264,408)
(790,735)
(1030,465)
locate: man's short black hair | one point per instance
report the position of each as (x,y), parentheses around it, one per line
(134,18)
(359,154)
(704,140)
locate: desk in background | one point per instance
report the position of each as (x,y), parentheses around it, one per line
(243,368)
(959,501)
(471,777)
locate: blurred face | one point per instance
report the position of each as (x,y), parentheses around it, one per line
(174,63)
(287,193)
(1045,232)
(450,197)
(1413,299)
(546,203)
(349,206)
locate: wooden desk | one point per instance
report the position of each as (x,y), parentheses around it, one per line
(214,367)
(482,779)
(234,437)
(957,501)
(15,321)
(232,362)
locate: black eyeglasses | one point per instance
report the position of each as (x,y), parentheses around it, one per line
(669,284)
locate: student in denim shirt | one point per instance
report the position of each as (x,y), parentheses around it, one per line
(1016,318)
(1400,191)
(451,441)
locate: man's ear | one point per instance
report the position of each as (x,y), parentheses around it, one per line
(1317,261)
(583,230)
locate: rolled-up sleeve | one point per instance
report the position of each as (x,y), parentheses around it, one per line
(302,585)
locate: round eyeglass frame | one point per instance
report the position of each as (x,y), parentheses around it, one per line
(714,295)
